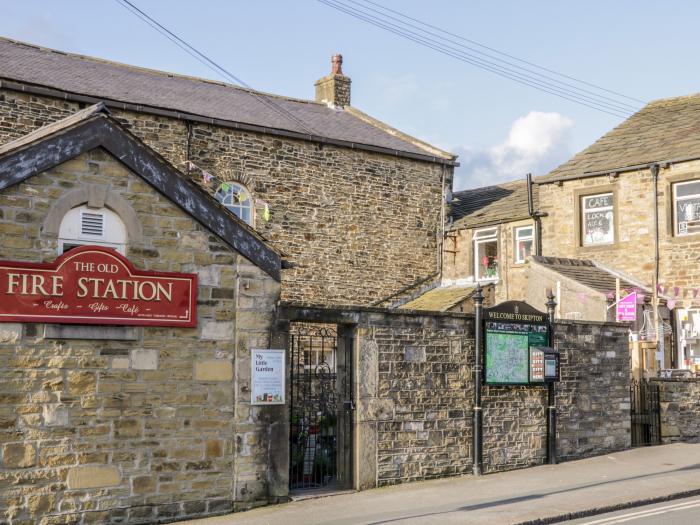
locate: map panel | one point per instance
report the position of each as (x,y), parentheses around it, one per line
(508,351)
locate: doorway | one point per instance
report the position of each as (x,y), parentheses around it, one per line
(321,407)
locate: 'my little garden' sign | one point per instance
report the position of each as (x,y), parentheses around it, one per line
(94,285)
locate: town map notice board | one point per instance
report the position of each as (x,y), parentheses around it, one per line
(510,330)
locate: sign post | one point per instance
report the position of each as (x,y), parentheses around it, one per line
(516,340)
(477,460)
(551,398)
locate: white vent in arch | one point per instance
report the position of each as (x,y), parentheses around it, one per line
(89,226)
(92,224)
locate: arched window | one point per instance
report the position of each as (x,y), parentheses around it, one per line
(83,225)
(236,198)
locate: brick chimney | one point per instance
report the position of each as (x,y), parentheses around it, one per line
(334,89)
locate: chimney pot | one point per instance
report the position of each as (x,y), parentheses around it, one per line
(334,89)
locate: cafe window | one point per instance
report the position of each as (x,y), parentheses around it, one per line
(524,238)
(486,254)
(88,226)
(597,219)
(686,207)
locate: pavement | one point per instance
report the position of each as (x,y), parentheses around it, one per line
(538,495)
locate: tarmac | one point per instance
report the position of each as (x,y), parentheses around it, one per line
(537,495)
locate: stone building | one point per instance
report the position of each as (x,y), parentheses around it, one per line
(256,198)
(355,206)
(130,420)
(630,201)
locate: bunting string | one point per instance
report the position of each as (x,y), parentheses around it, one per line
(212,182)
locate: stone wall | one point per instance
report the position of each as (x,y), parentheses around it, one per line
(680,409)
(415,391)
(357,226)
(145,424)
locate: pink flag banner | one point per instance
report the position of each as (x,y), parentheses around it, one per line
(676,291)
(626,309)
(671,303)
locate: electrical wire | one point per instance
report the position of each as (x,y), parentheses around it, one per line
(474,42)
(211,64)
(621,105)
(522,78)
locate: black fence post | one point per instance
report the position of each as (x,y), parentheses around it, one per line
(478,368)
(551,400)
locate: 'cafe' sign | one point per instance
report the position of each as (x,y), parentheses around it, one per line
(94,285)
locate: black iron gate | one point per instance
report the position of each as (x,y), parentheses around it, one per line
(321,408)
(646,416)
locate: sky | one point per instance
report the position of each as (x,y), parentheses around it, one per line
(500,129)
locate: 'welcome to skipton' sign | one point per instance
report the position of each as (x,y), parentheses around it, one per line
(95,285)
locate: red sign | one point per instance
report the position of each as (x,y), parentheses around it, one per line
(94,285)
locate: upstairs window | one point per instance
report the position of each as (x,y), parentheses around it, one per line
(486,254)
(686,207)
(524,237)
(88,226)
(237,199)
(597,219)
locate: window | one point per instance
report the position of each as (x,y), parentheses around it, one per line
(486,254)
(524,238)
(597,219)
(686,207)
(100,227)
(237,199)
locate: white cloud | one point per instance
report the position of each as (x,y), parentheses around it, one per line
(536,143)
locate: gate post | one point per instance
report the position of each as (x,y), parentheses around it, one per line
(551,399)
(477,445)
(278,468)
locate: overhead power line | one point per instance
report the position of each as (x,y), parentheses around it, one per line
(211,64)
(487,62)
(483,46)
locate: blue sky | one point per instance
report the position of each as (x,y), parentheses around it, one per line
(500,129)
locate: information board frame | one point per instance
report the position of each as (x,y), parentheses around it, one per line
(262,359)
(514,317)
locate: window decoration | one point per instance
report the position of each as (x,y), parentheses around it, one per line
(686,207)
(486,254)
(597,219)
(100,227)
(524,238)
(237,199)
(234,195)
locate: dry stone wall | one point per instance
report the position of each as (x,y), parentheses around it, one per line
(680,409)
(356,226)
(416,399)
(154,423)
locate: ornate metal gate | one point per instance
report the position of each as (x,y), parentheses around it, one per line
(321,408)
(646,416)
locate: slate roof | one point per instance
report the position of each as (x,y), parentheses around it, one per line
(664,130)
(440,299)
(121,83)
(587,273)
(491,204)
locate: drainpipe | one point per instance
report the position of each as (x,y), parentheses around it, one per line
(655,177)
(534,215)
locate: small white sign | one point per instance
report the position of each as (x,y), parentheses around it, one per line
(267,377)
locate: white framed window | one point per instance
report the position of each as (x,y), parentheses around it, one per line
(524,239)
(87,226)
(237,199)
(686,207)
(597,219)
(486,254)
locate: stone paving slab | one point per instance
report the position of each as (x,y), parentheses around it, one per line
(534,495)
